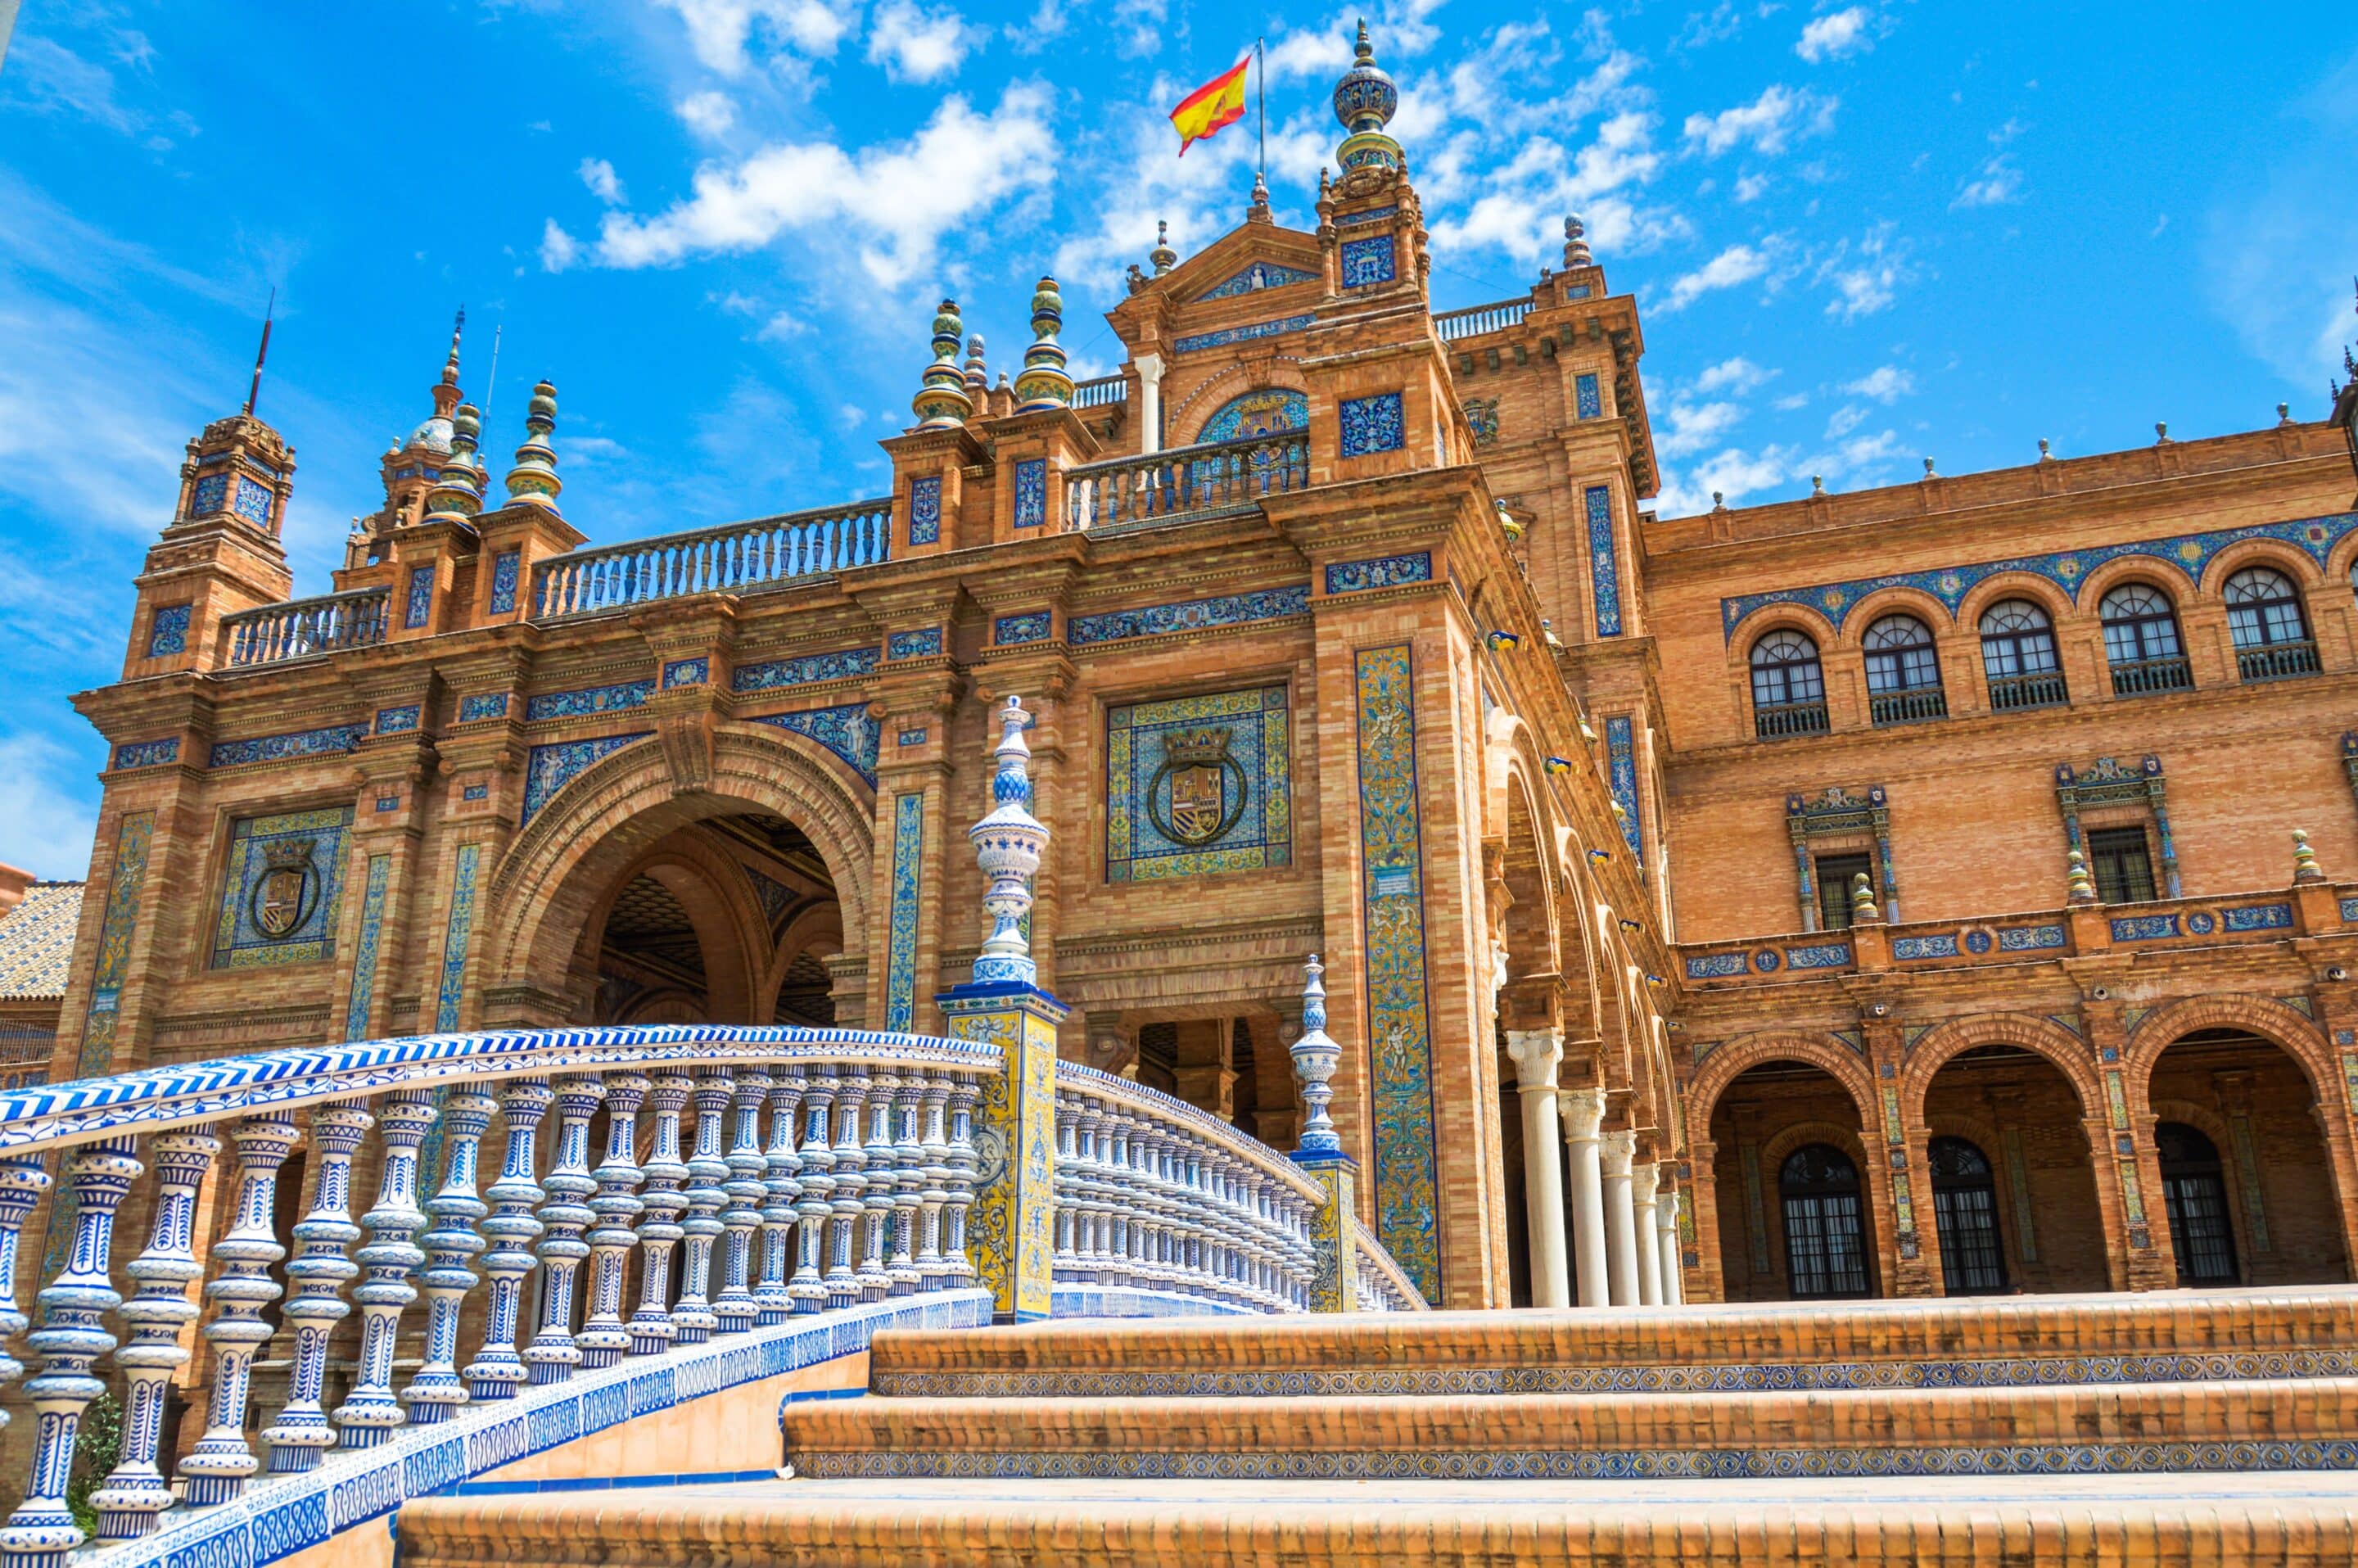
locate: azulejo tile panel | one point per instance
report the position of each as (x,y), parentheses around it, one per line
(2188,553)
(1189,615)
(1588,398)
(1030,493)
(1604,561)
(1818,955)
(211,495)
(926,509)
(920,644)
(589,699)
(282,888)
(253,502)
(421,596)
(1382,571)
(1367,215)
(483,705)
(909,738)
(1373,424)
(1198,785)
(1621,760)
(364,953)
(1943,946)
(1188,345)
(847,731)
(1264,411)
(2143,927)
(131,839)
(548,769)
(901,954)
(1400,1026)
(2028,938)
(805,670)
(1716,966)
(1256,277)
(507,566)
(1482,415)
(397,721)
(2260,917)
(1367,261)
(167,631)
(458,935)
(278,748)
(147,753)
(696,671)
(1031,626)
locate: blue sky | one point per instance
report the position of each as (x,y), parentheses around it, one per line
(1862,233)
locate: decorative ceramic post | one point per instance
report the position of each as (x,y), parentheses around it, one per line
(134,1492)
(851,1166)
(552,1355)
(436,1391)
(652,1329)
(1335,1287)
(217,1469)
(735,1306)
(22,1182)
(780,1189)
(875,1283)
(908,1183)
(371,1412)
(809,1287)
(1014,1212)
(604,1339)
(692,1319)
(319,1272)
(933,1270)
(497,1372)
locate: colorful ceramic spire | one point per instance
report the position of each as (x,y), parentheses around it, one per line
(1043,383)
(1364,100)
(977,375)
(1575,243)
(458,493)
(1163,257)
(942,402)
(533,482)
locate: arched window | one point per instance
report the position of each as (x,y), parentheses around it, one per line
(2019,655)
(2264,617)
(1825,1237)
(1245,472)
(1903,671)
(1965,1211)
(2141,640)
(2195,1189)
(1789,690)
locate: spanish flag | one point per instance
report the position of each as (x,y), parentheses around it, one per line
(1219,102)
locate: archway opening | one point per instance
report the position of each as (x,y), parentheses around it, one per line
(2014,1188)
(1796,1208)
(2246,1180)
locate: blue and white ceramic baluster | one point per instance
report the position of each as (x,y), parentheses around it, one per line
(604,1338)
(964,1092)
(908,1183)
(218,1467)
(813,1206)
(435,1393)
(22,1182)
(134,1492)
(42,1529)
(779,1187)
(552,1355)
(934,1175)
(1065,1232)
(497,1372)
(735,1306)
(652,1329)
(883,1176)
(372,1411)
(851,1163)
(318,1272)
(707,1170)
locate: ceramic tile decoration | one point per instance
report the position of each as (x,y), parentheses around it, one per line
(456,935)
(1374,424)
(1190,615)
(806,670)
(167,631)
(1367,261)
(1365,215)
(1199,786)
(1399,1038)
(1716,966)
(1943,946)
(1588,399)
(1621,757)
(278,748)
(1031,626)
(507,566)
(2028,938)
(281,891)
(2260,917)
(133,837)
(397,721)
(687,672)
(364,951)
(253,502)
(1031,491)
(588,700)
(483,705)
(1265,411)
(548,769)
(1256,277)
(475,792)
(1603,572)
(2143,927)
(1819,955)
(210,495)
(926,509)
(1240,334)
(2185,555)
(900,951)
(1382,571)
(847,731)
(147,753)
(909,738)
(388,803)
(420,602)
(924,644)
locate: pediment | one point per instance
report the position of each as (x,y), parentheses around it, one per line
(1248,260)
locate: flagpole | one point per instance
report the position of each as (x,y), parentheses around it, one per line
(1260,80)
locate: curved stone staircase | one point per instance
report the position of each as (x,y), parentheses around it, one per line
(2152,1429)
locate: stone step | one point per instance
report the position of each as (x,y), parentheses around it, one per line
(2164,1337)
(2256,1424)
(2127,1522)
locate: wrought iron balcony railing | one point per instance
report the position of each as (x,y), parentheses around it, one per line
(1208,481)
(2008,693)
(1775,721)
(2276,661)
(738,557)
(302,627)
(1907,706)
(2143,678)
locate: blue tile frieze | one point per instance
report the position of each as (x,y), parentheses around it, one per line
(421,596)
(278,748)
(1819,955)
(253,502)
(505,568)
(210,495)
(1190,615)
(1370,215)
(1031,626)
(921,644)
(696,671)
(1621,757)
(806,670)
(1373,424)
(588,700)
(1604,569)
(2028,938)
(397,721)
(2143,927)
(1030,493)
(1256,277)
(364,955)
(2260,917)
(483,705)
(1587,398)
(1188,345)
(847,731)
(1716,966)
(1367,261)
(1943,946)
(167,631)
(147,753)
(926,509)
(901,944)
(1382,571)
(548,769)
(457,936)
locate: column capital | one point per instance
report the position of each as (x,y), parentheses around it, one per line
(1538,1052)
(1617,1148)
(1584,1113)
(1644,1178)
(1666,1209)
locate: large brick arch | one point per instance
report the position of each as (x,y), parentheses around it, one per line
(2285,1028)
(553,872)
(1723,1065)
(2064,1050)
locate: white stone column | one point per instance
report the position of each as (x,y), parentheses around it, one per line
(1666,1216)
(1537,1054)
(1615,1151)
(1149,402)
(1644,1179)
(1583,1111)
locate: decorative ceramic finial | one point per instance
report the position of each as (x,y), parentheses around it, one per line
(1862,900)
(1575,243)
(2161,432)
(2045,455)
(2283,413)
(1817,484)
(1929,471)
(1007,844)
(457,493)
(1364,100)
(1258,212)
(1718,502)
(2078,889)
(2305,868)
(978,373)
(1315,1057)
(942,403)
(534,480)
(1163,257)
(1043,383)
(450,366)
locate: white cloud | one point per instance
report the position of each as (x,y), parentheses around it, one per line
(1733,266)
(1739,376)
(781,325)
(707,114)
(1845,419)
(1834,35)
(603,183)
(1885,384)
(558,250)
(1770,122)
(1311,54)
(1867,276)
(918,45)
(722,32)
(49,828)
(52,79)
(1999,182)
(1750,188)
(1694,425)
(894,201)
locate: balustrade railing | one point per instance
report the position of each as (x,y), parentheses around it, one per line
(1775,720)
(2141,677)
(1907,706)
(2276,661)
(301,627)
(1476,320)
(1384,1285)
(1100,391)
(737,557)
(2008,693)
(1207,480)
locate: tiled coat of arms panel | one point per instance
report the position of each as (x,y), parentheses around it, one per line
(280,893)
(1198,785)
